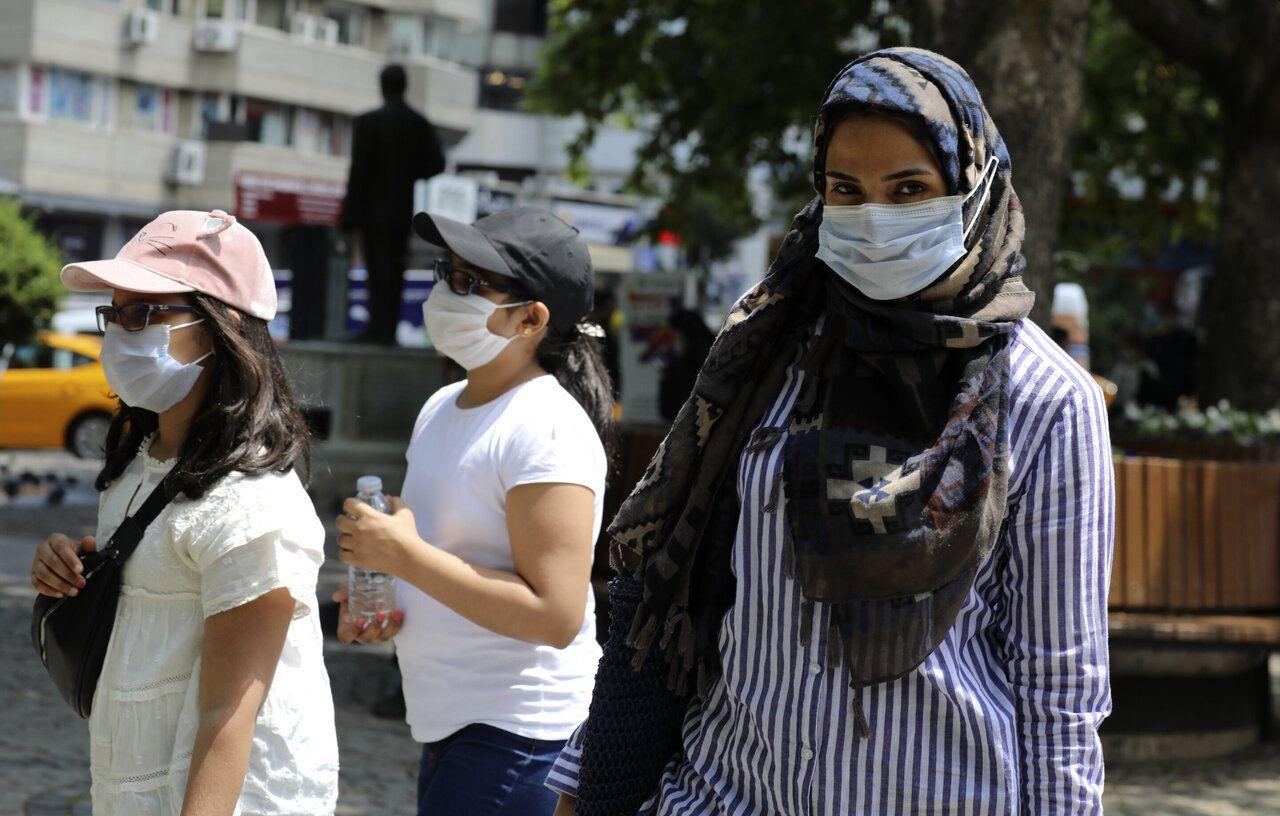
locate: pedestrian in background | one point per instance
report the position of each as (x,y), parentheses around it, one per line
(867,571)
(502,504)
(391,148)
(690,341)
(213,696)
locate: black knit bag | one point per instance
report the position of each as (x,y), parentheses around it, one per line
(634,725)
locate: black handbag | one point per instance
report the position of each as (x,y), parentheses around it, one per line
(71,633)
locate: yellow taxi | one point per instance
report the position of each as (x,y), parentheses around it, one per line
(54,394)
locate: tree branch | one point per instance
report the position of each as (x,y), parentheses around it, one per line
(1187,31)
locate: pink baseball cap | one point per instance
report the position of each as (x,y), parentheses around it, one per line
(187,251)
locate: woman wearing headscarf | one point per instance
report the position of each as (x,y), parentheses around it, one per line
(867,570)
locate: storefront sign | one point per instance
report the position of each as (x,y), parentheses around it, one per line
(453,197)
(598,223)
(287,199)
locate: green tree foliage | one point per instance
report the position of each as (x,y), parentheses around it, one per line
(1231,44)
(718,87)
(29,285)
(1146,173)
(1149,152)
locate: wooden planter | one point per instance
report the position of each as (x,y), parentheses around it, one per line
(1196,536)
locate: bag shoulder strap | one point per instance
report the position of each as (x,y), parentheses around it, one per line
(129,534)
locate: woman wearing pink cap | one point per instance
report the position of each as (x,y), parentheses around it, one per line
(213,696)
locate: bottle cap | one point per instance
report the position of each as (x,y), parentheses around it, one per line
(369,484)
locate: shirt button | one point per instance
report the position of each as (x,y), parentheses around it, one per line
(815,669)
(807,754)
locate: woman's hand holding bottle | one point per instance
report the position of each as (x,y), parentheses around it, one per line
(374,540)
(351,631)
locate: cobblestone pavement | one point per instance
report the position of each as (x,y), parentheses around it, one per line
(44,750)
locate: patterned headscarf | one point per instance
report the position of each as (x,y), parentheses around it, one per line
(895,468)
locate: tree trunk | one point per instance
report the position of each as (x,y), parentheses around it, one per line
(1233,46)
(1027,58)
(1242,314)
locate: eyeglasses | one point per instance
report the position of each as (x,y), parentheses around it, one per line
(463,282)
(134,317)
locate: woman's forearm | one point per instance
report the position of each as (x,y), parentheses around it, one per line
(219,762)
(498,600)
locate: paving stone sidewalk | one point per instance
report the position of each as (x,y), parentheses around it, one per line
(44,748)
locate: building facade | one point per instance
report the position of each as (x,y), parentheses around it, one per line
(114,110)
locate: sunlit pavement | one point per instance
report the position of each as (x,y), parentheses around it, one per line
(44,748)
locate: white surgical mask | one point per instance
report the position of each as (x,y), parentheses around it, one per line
(890,251)
(458,326)
(141,371)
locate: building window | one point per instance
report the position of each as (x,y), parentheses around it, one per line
(165,6)
(153,111)
(37,92)
(306,130)
(273,14)
(443,38)
(10,82)
(406,34)
(520,17)
(242,10)
(321,132)
(267,123)
(211,109)
(339,136)
(502,90)
(352,22)
(71,96)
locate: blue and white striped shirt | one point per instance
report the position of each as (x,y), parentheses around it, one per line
(1001,719)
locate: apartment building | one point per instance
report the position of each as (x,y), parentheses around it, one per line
(114,110)
(512,149)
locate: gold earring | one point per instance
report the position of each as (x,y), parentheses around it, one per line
(528,331)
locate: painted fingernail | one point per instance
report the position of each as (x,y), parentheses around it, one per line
(81,583)
(362,624)
(397,616)
(382,616)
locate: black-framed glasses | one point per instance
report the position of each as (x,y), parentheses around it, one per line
(462,282)
(134,317)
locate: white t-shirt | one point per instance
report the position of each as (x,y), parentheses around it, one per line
(462,462)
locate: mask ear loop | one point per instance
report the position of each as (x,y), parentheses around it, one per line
(204,356)
(987,180)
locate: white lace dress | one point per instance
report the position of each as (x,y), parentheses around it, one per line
(244,538)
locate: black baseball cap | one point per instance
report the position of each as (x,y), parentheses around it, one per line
(546,256)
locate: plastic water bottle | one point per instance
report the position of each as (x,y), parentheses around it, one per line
(370,592)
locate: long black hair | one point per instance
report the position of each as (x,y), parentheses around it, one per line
(250,421)
(574,358)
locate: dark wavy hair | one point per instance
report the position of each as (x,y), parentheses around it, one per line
(576,361)
(250,421)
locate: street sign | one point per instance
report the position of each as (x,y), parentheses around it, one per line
(287,199)
(455,197)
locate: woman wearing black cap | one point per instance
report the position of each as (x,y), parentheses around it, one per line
(502,505)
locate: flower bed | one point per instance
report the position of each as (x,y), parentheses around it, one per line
(1218,432)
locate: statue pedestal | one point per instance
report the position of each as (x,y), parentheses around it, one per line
(362,401)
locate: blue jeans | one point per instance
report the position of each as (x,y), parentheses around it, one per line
(485,771)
